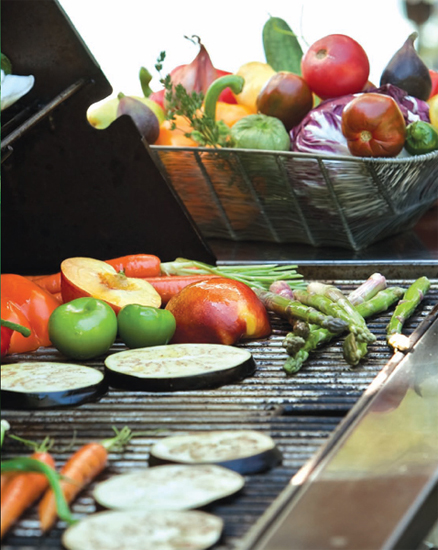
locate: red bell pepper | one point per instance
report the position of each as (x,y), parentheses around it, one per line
(7,330)
(25,303)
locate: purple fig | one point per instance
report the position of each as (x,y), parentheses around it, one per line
(407,71)
(144,118)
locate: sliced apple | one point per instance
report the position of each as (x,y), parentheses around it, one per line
(89,277)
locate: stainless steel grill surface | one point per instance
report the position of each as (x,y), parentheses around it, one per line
(299,412)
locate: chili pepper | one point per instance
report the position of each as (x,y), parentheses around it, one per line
(34,302)
(82,467)
(26,464)
(23,489)
(421,138)
(7,330)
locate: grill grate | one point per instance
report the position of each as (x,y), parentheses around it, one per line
(299,412)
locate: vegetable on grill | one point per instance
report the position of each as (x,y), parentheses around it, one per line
(404,309)
(136,529)
(331,303)
(7,329)
(294,309)
(168,487)
(178,367)
(244,451)
(376,304)
(25,488)
(44,384)
(81,468)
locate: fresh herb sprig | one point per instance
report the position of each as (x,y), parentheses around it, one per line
(206,130)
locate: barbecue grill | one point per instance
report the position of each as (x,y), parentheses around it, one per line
(311,415)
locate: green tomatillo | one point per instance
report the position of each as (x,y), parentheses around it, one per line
(83,328)
(144,326)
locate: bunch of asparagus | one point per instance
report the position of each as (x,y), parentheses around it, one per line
(321,311)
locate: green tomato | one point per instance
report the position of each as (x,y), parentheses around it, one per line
(144,326)
(260,132)
(83,328)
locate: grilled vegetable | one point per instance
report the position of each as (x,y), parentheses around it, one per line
(142,326)
(83,328)
(168,487)
(244,451)
(405,308)
(368,289)
(291,310)
(40,384)
(129,530)
(24,488)
(330,302)
(81,468)
(376,304)
(178,367)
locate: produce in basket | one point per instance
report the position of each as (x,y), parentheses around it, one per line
(407,71)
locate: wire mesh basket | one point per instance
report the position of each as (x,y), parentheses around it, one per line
(285,197)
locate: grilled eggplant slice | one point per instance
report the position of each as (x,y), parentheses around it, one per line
(178,367)
(133,530)
(42,384)
(244,451)
(169,487)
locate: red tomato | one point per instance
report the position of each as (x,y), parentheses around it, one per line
(374,126)
(434,78)
(335,65)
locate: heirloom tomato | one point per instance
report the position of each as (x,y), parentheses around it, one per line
(374,126)
(335,65)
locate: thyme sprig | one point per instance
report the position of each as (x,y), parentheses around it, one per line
(206,130)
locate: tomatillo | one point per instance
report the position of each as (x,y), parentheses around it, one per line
(83,328)
(144,326)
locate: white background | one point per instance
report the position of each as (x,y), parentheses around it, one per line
(124,35)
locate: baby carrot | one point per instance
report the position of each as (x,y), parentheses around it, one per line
(23,489)
(81,468)
(169,285)
(137,265)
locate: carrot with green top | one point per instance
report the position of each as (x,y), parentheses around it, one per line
(81,468)
(21,490)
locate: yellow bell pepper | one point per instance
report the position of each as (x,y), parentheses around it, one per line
(433,110)
(255,74)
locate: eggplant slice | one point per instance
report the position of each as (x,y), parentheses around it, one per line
(244,451)
(42,384)
(135,530)
(178,367)
(169,487)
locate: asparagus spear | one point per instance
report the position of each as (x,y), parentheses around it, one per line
(361,330)
(382,301)
(327,306)
(404,309)
(368,289)
(291,310)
